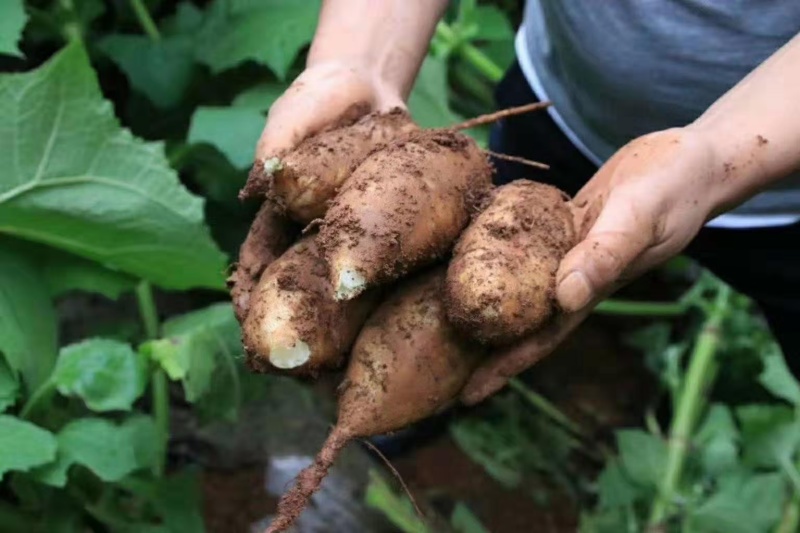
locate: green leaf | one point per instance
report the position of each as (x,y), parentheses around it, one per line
(110,451)
(234,131)
(642,455)
(397,509)
(12,22)
(489,23)
(614,489)
(198,348)
(161,70)
(65,272)
(742,504)
(73,179)
(9,385)
(778,379)
(271,32)
(27,318)
(261,97)
(716,440)
(23,446)
(106,374)
(770,435)
(428,101)
(464,521)
(175,499)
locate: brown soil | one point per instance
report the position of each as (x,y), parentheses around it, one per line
(406,204)
(507,261)
(234,500)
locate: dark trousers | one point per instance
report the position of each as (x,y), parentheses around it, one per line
(763,263)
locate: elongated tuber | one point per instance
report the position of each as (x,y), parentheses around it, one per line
(501,279)
(306,179)
(407,364)
(294,324)
(403,208)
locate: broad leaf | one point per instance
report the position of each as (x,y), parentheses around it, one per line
(770,435)
(12,22)
(643,456)
(261,97)
(70,177)
(106,374)
(9,385)
(110,451)
(200,348)
(27,318)
(778,379)
(742,504)
(428,101)
(234,131)
(717,440)
(271,32)
(23,446)
(614,489)
(160,69)
(64,272)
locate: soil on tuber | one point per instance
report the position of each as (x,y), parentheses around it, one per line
(501,279)
(294,324)
(403,208)
(307,178)
(407,364)
(269,236)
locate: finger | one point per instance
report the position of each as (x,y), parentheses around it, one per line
(494,374)
(308,107)
(592,268)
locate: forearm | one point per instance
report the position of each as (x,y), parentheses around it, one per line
(387,38)
(754,129)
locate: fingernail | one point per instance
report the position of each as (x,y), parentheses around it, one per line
(574,292)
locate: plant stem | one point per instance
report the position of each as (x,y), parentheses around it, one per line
(160,393)
(71,28)
(632,307)
(545,406)
(145,20)
(692,399)
(159,384)
(147,309)
(40,395)
(470,53)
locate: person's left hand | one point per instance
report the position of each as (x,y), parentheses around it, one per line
(641,208)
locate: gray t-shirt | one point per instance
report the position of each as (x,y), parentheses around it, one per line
(617,69)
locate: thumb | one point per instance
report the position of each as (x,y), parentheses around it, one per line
(593,268)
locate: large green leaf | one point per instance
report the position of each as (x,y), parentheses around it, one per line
(234,131)
(271,32)
(9,385)
(770,435)
(12,22)
(176,500)
(160,69)
(110,451)
(70,177)
(613,487)
(106,374)
(64,272)
(717,440)
(742,504)
(27,318)
(643,456)
(23,446)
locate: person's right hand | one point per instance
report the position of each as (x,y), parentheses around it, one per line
(325,95)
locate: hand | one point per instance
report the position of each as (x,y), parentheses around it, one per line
(641,208)
(323,96)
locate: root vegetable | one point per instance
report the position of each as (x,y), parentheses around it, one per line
(294,324)
(501,279)
(269,236)
(402,208)
(407,364)
(308,177)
